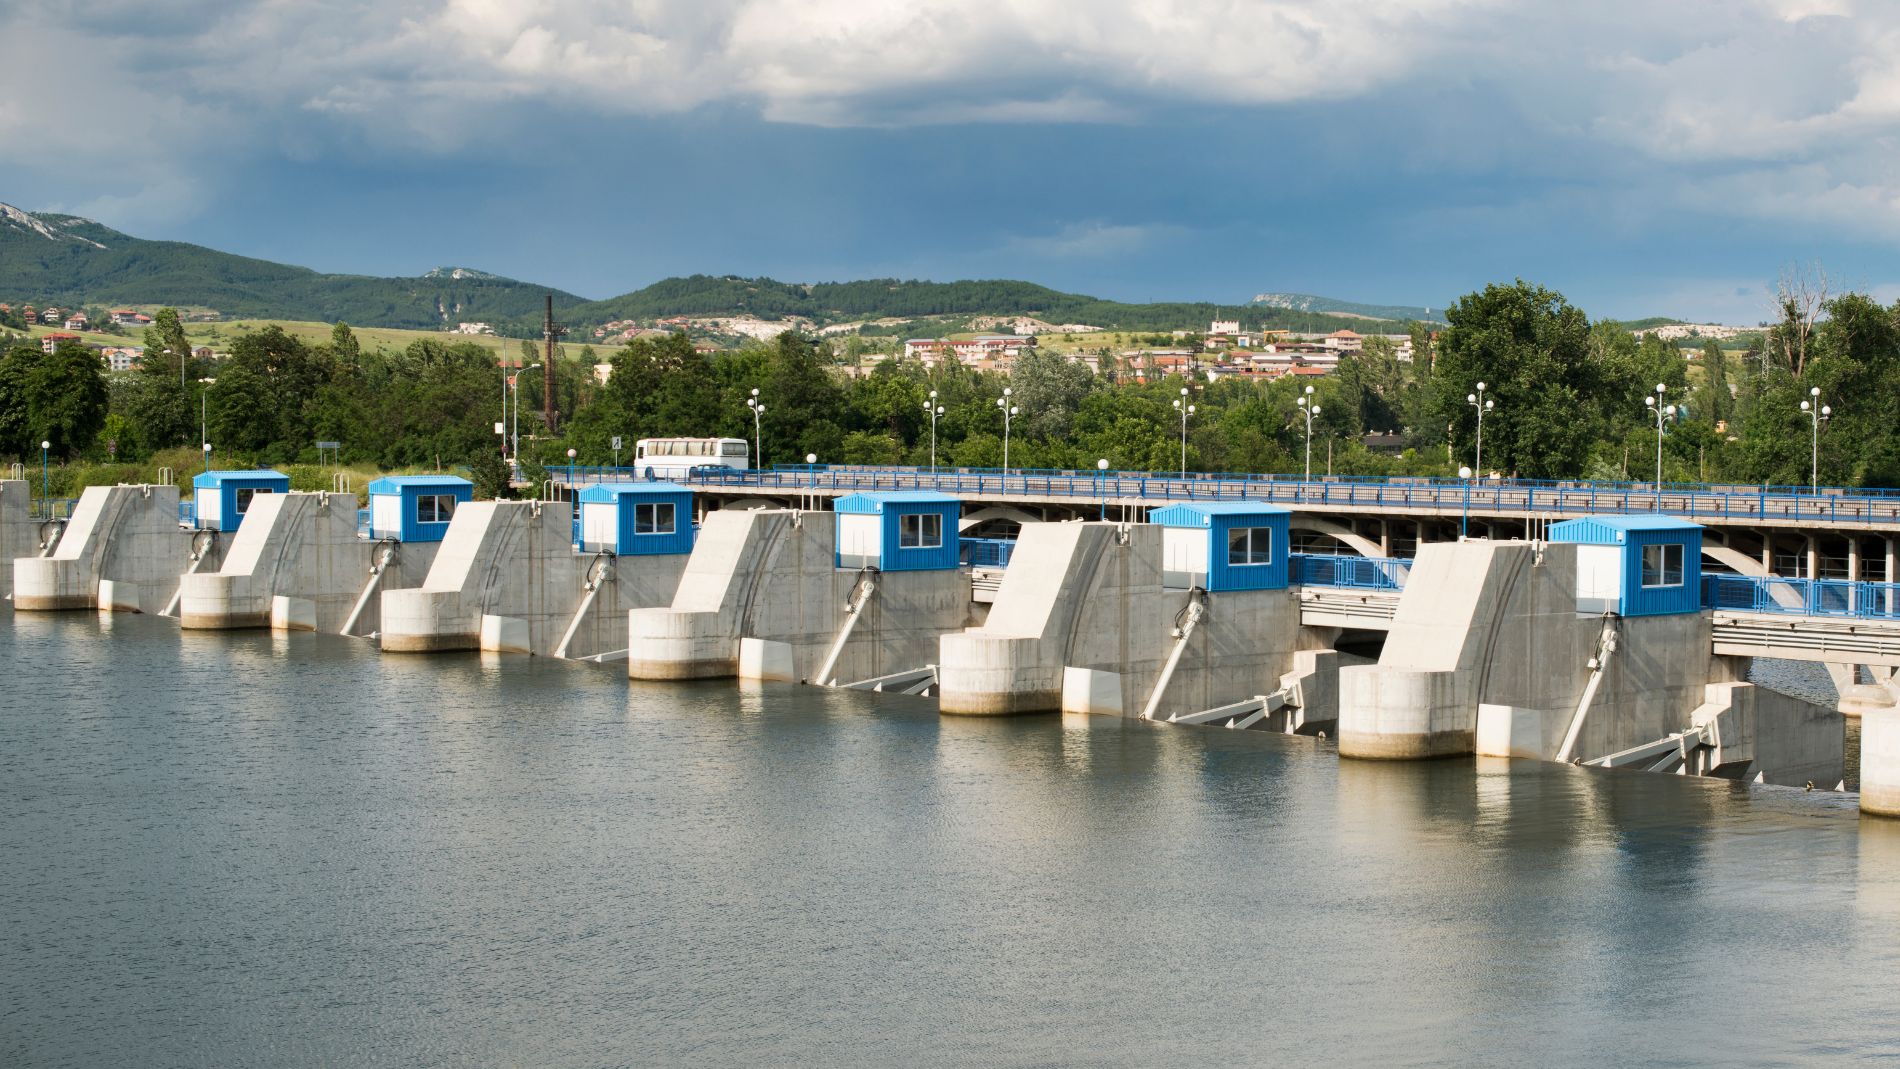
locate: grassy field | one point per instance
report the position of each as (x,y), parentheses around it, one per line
(220,335)
(177,466)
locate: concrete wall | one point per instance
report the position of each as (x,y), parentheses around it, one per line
(770,575)
(1496,623)
(122,551)
(1880,762)
(506,578)
(1084,603)
(19,535)
(299,554)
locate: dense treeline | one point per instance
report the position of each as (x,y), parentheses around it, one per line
(1568,395)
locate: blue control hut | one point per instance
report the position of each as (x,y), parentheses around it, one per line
(898,530)
(1223,545)
(636,519)
(415,508)
(1635,565)
(221,498)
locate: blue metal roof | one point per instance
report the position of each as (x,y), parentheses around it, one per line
(1179,510)
(875,500)
(615,491)
(219,478)
(392,484)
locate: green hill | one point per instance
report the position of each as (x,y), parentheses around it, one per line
(66,260)
(834,302)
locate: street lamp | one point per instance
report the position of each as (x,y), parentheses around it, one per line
(514,387)
(1008,411)
(45,479)
(1483,404)
(1186,410)
(1310,407)
(933,409)
(570,466)
(207,458)
(1101,484)
(1664,412)
(1464,520)
(1817,414)
(204,428)
(758,436)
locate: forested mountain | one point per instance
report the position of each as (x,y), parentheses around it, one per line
(66,260)
(1306,302)
(831,302)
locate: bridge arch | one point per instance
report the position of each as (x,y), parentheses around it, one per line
(1366,547)
(996,512)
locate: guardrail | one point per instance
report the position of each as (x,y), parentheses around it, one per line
(1802,597)
(52,508)
(1361,573)
(1447,496)
(985,552)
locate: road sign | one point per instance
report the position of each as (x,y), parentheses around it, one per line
(329,445)
(616,443)
(501,428)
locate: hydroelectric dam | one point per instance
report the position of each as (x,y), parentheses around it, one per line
(1611,626)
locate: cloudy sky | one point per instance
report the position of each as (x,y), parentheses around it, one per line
(1643,157)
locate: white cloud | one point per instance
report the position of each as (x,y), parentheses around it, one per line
(1793,105)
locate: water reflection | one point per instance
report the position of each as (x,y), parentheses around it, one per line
(298,846)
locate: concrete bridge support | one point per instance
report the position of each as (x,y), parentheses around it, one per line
(298,564)
(762,597)
(19,535)
(1082,623)
(122,551)
(1880,762)
(506,579)
(1495,624)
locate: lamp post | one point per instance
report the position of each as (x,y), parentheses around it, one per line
(207,458)
(1186,410)
(1817,414)
(1009,410)
(1464,519)
(570,466)
(933,410)
(1101,484)
(204,426)
(1483,404)
(46,479)
(514,387)
(758,434)
(1663,412)
(1310,407)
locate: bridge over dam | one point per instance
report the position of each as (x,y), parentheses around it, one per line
(1835,534)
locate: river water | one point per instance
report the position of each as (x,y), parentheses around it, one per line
(228,850)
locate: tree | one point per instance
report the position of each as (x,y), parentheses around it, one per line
(59,397)
(1049,388)
(1532,350)
(166,347)
(1720,403)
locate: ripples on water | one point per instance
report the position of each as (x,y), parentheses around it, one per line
(247,849)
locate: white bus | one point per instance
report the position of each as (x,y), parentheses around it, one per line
(675,458)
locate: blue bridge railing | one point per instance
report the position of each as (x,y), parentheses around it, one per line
(187,513)
(986,552)
(1362,573)
(1709,502)
(1801,597)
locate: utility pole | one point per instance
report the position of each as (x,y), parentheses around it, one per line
(550,330)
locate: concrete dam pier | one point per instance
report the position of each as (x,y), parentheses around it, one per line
(122,551)
(507,579)
(1176,618)
(1543,650)
(778,594)
(19,533)
(299,564)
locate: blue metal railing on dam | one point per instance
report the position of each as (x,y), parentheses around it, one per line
(1361,573)
(1802,597)
(1711,502)
(985,552)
